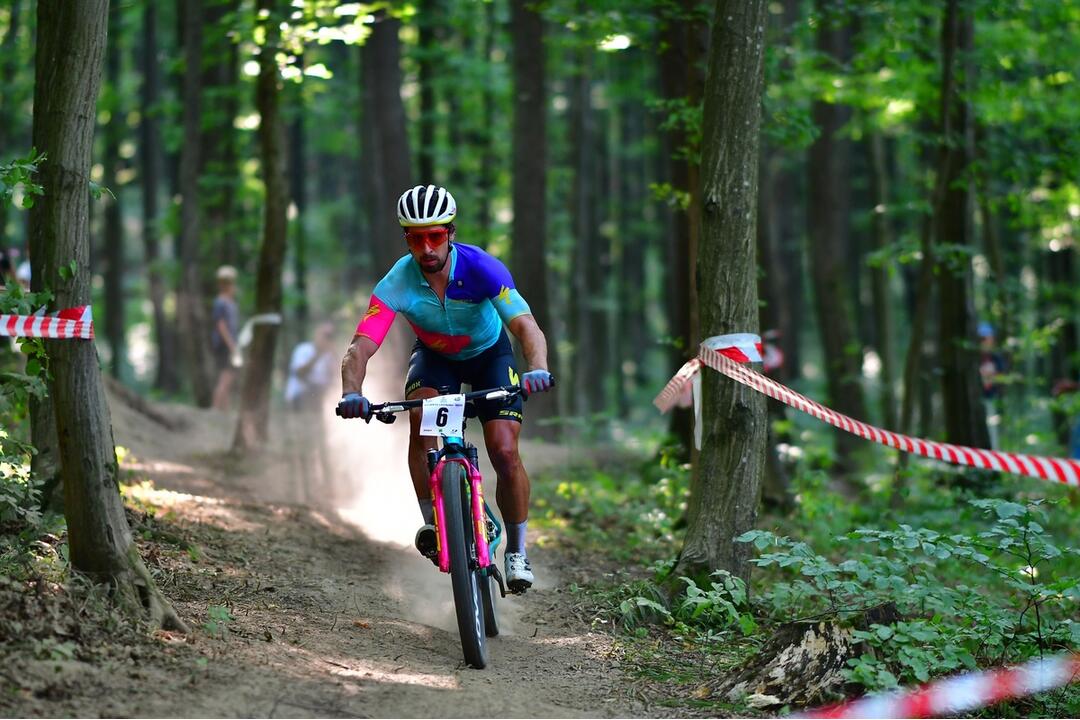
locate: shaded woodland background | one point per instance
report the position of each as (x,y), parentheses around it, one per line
(569,136)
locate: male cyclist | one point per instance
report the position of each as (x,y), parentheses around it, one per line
(457,298)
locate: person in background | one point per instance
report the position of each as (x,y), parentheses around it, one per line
(991,368)
(311,369)
(225,321)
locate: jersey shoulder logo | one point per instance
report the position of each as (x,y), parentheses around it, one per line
(372,311)
(504,295)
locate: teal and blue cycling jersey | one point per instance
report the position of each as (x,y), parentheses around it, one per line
(480,297)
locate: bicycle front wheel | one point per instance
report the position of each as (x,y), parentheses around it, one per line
(464,573)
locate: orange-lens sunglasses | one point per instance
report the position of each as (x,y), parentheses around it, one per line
(430,236)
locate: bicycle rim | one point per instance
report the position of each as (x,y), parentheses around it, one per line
(465,580)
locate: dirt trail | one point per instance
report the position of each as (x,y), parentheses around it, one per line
(328,617)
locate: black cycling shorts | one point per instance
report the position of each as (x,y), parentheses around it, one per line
(493,367)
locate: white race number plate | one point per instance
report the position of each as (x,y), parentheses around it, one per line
(443,416)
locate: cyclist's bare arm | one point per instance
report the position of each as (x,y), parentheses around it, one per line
(354,364)
(533,342)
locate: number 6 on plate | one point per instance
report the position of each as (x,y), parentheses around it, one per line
(443,416)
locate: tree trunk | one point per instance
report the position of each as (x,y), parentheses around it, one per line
(8,67)
(428,51)
(485,183)
(529,232)
(150,170)
(251,426)
(388,149)
(726,483)
(217,156)
(884,324)
(298,174)
(965,417)
(113,231)
(828,205)
(681,79)
(71,43)
(194,320)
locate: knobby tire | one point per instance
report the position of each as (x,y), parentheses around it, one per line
(465,580)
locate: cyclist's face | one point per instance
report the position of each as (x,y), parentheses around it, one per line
(429,246)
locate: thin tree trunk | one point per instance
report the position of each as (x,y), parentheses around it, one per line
(528,252)
(681,79)
(150,171)
(485,183)
(828,205)
(298,173)
(7,117)
(726,483)
(71,43)
(388,148)
(218,152)
(965,417)
(884,323)
(112,228)
(251,426)
(191,297)
(428,51)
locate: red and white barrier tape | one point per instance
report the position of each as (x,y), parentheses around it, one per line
(717,352)
(960,694)
(76,322)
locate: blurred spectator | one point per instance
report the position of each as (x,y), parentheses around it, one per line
(311,370)
(225,322)
(991,368)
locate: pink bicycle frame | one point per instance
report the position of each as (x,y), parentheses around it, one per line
(483,552)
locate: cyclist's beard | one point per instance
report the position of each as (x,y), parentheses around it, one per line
(431,270)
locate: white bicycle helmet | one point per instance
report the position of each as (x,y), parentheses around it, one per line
(426,205)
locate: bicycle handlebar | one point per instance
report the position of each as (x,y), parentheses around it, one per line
(388,408)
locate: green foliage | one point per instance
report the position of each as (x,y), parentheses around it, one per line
(966,599)
(218,619)
(18,175)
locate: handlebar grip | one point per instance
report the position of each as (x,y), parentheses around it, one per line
(337,410)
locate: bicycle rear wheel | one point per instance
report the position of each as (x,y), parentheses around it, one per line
(464,575)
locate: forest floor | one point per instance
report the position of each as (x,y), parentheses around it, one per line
(303,596)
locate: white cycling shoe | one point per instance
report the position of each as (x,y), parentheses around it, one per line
(519,576)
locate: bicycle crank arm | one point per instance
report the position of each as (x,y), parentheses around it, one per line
(494,571)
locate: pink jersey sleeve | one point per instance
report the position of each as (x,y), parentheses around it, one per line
(377,320)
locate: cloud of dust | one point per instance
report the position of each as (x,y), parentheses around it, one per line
(371,490)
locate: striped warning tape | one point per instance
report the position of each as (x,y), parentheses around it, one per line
(717,352)
(76,322)
(962,693)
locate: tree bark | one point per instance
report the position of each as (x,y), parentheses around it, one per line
(388,146)
(726,483)
(194,320)
(529,147)
(8,65)
(828,205)
(965,417)
(681,79)
(884,323)
(298,174)
(150,170)
(112,228)
(71,39)
(251,426)
(427,51)
(218,153)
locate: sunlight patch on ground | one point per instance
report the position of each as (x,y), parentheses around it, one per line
(370,670)
(210,511)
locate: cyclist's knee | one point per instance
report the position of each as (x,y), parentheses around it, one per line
(505,459)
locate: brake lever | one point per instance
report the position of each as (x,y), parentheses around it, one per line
(386,417)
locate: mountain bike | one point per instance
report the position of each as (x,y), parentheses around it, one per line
(467,532)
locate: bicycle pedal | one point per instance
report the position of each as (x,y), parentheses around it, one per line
(498,578)
(519,587)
